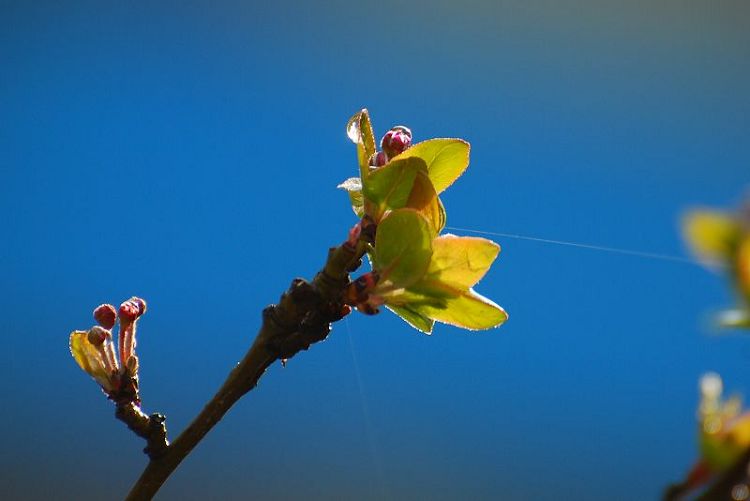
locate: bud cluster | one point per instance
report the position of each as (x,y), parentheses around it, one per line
(394,142)
(116,370)
(359,293)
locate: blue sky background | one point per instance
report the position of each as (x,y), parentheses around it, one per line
(188,153)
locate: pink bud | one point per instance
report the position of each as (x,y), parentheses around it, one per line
(396,141)
(353,237)
(105,315)
(128,312)
(379,159)
(131,309)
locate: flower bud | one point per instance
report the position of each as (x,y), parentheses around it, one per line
(353,237)
(105,315)
(379,159)
(97,335)
(101,339)
(396,141)
(356,292)
(131,309)
(132,365)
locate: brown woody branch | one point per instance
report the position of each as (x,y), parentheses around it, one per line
(151,428)
(736,477)
(302,317)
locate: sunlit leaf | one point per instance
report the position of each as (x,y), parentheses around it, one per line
(89,358)
(424,199)
(446,159)
(712,235)
(403,246)
(461,308)
(469,311)
(359,130)
(461,261)
(416,320)
(390,186)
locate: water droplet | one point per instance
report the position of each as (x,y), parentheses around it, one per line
(352,128)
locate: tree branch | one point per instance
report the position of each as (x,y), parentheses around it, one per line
(151,428)
(736,476)
(302,317)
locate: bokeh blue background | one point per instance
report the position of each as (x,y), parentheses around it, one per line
(188,153)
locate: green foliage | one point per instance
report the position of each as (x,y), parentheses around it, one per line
(446,159)
(359,130)
(444,292)
(389,187)
(423,276)
(403,248)
(723,240)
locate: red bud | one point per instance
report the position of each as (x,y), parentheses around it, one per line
(105,315)
(131,309)
(379,159)
(396,140)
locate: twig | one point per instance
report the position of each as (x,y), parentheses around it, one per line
(151,428)
(735,477)
(302,317)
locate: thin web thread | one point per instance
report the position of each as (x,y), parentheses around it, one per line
(602,248)
(366,414)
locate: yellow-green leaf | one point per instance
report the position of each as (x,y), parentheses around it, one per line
(470,311)
(466,309)
(389,187)
(411,317)
(424,199)
(89,358)
(712,235)
(403,246)
(446,159)
(359,130)
(461,261)
(447,304)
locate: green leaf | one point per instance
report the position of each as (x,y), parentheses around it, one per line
(389,187)
(461,261)
(444,293)
(359,130)
(470,311)
(465,309)
(403,247)
(712,235)
(446,159)
(424,199)
(411,317)
(353,186)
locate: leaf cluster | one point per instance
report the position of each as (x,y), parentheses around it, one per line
(723,239)
(421,275)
